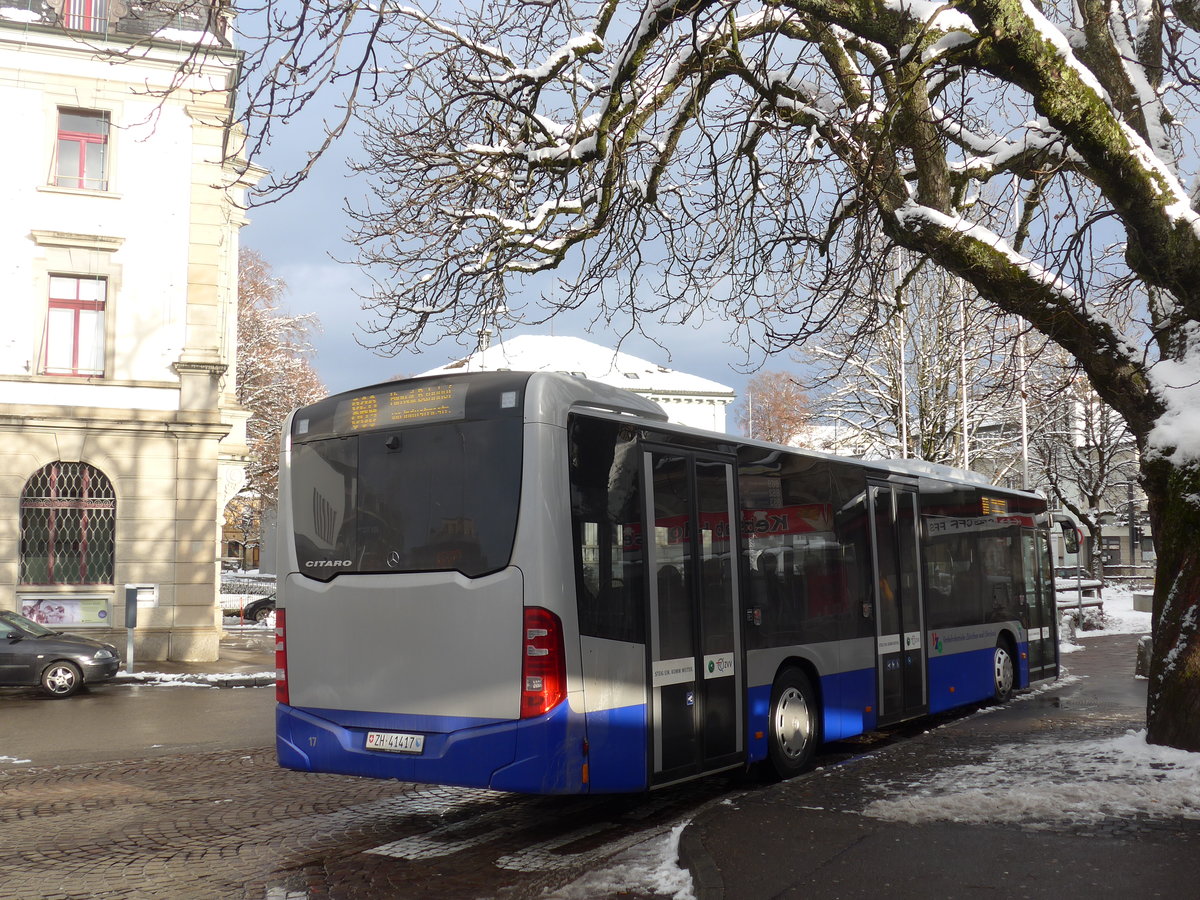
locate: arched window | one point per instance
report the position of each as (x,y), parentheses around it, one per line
(68,523)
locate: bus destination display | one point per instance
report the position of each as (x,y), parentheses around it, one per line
(383,409)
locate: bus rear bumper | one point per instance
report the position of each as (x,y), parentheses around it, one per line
(542,755)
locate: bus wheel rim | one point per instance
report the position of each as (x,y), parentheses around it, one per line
(793,723)
(1004,671)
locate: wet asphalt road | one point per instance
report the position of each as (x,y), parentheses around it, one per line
(110,722)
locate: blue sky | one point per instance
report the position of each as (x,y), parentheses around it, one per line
(301,235)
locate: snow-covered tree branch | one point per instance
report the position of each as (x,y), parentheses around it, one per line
(274,374)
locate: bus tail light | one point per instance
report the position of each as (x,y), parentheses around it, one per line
(281,683)
(543,665)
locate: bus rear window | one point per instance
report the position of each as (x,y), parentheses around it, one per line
(430,498)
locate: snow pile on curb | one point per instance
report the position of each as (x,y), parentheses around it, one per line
(196,679)
(651,866)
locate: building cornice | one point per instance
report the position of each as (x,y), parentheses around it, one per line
(64,418)
(686,395)
(73,240)
(90,381)
(200,367)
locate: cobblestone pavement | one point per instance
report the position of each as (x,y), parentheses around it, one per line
(234,825)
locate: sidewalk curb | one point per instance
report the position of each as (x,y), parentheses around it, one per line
(706,875)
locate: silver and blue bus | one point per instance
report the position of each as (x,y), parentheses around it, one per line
(533,582)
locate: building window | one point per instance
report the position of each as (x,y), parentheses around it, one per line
(82,157)
(86,15)
(68,524)
(75,326)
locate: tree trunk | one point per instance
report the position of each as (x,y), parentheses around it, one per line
(1095,548)
(1173,699)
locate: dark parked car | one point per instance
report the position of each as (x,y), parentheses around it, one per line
(236,606)
(60,663)
(258,610)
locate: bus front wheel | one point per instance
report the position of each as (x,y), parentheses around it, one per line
(1004,670)
(794,723)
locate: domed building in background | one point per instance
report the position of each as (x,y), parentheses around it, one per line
(686,399)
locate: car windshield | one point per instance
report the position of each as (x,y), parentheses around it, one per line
(23,624)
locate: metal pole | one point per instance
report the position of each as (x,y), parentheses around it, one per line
(1024,413)
(131,599)
(902,338)
(1132,533)
(1016,214)
(962,321)
(903,389)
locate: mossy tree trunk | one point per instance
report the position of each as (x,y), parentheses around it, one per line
(1173,699)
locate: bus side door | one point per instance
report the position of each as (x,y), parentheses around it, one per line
(695,659)
(1042,608)
(900,619)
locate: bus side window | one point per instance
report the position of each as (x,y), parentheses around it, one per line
(607,538)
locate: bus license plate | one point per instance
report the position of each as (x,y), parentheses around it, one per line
(395,742)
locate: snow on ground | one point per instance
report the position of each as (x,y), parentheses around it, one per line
(651,866)
(184,679)
(1062,783)
(1119,615)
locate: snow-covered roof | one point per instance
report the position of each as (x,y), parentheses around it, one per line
(575,356)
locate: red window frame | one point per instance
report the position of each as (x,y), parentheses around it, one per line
(75,305)
(85,15)
(80,141)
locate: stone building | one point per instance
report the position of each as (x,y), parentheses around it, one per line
(120,437)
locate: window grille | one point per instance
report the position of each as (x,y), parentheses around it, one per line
(68,526)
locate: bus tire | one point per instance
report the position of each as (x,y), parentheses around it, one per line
(795,728)
(1004,671)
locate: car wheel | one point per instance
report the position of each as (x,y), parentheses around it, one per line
(795,730)
(261,614)
(61,679)
(1004,671)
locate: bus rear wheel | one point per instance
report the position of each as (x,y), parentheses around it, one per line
(794,723)
(1004,671)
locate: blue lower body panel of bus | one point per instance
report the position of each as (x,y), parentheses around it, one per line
(1022,666)
(961,678)
(617,747)
(847,709)
(542,755)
